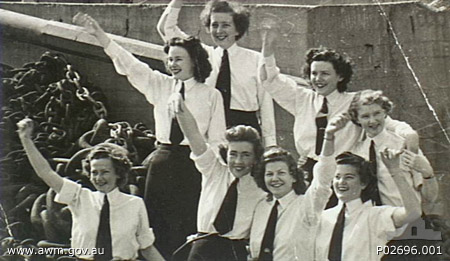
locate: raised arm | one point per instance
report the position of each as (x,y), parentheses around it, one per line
(138,73)
(404,130)
(411,209)
(282,89)
(187,124)
(168,23)
(319,192)
(420,164)
(38,162)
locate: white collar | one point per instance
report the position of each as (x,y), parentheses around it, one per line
(287,199)
(350,206)
(189,83)
(233,48)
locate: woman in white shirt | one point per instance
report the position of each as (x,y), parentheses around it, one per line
(125,228)
(172,187)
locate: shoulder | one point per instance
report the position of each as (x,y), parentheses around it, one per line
(131,199)
(249,53)
(391,136)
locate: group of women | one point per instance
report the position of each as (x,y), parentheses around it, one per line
(212,191)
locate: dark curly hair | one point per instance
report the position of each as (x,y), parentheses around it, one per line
(342,64)
(241,15)
(117,154)
(275,154)
(198,55)
(368,97)
(366,175)
(243,133)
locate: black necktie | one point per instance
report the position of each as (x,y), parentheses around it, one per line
(225,217)
(321,124)
(372,187)
(104,241)
(176,135)
(223,84)
(266,252)
(335,252)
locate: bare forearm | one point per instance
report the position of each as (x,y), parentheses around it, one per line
(412,208)
(41,166)
(328,145)
(430,189)
(190,129)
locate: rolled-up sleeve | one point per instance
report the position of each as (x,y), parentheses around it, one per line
(145,235)
(69,193)
(319,192)
(208,163)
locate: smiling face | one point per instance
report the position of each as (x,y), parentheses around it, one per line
(223,30)
(240,157)
(323,77)
(278,179)
(179,63)
(372,118)
(347,183)
(103,175)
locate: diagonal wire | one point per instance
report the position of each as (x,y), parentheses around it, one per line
(408,64)
(3,213)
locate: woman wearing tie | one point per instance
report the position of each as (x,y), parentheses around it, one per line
(173,183)
(284,223)
(329,73)
(107,224)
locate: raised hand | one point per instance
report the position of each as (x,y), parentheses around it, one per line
(87,22)
(412,161)
(391,158)
(337,123)
(270,32)
(25,128)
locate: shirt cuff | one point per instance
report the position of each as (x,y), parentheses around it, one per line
(147,239)
(270,141)
(325,168)
(204,158)
(68,193)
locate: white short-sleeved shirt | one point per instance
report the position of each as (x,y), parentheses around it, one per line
(366,227)
(130,230)
(215,182)
(298,217)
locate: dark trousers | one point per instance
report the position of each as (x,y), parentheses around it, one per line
(309,167)
(172,191)
(244,118)
(218,248)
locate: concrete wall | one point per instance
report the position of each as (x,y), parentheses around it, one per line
(359,30)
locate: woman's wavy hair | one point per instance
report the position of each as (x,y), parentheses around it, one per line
(368,97)
(275,154)
(243,133)
(365,172)
(241,15)
(119,157)
(342,64)
(198,55)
